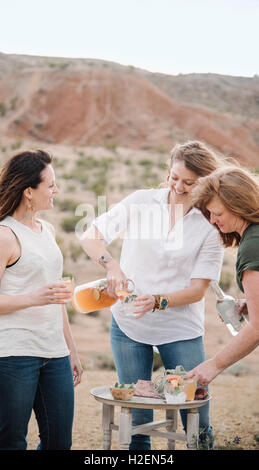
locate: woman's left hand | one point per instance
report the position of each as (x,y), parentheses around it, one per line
(143,304)
(77,368)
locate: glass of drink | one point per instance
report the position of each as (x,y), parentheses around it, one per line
(127,296)
(190,386)
(69,281)
(174,393)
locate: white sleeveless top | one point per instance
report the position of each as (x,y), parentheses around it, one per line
(34,331)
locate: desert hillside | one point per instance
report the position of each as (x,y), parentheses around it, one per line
(90,102)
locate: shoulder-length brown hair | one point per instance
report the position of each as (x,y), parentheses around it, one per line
(21,171)
(237,189)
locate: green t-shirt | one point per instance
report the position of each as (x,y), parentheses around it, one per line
(248,253)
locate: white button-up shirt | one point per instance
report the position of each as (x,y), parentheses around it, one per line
(161,261)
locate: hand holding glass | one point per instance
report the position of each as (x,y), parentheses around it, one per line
(69,285)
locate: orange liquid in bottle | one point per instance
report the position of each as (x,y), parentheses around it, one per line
(90,299)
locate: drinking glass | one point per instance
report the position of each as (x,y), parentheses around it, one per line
(174,394)
(127,296)
(190,386)
(69,281)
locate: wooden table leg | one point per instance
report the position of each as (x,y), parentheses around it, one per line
(108,419)
(172,427)
(125,428)
(193,428)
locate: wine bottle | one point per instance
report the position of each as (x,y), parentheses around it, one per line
(227,307)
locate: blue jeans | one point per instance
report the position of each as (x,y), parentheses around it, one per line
(41,384)
(134,360)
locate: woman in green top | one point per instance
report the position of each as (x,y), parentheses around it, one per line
(229,198)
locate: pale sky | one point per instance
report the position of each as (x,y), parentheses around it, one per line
(168,36)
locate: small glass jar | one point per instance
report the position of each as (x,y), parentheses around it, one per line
(127,298)
(174,394)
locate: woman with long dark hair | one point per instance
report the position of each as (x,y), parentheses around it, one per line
(36,345)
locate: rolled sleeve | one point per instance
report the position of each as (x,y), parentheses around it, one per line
(113,223)
(209,260)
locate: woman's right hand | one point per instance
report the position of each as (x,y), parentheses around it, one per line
(55,293)
(116,279)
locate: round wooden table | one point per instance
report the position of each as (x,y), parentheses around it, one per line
(126,430)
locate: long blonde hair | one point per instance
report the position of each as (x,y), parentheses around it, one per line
(237,189)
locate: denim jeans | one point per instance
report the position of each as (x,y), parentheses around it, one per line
(134,360)
(41,384)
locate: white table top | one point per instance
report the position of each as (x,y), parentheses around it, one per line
(104,395)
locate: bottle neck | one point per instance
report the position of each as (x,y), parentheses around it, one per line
(220,295)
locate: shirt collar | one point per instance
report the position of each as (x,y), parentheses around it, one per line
(161,197)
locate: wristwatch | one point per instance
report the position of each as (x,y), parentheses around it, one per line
(161,302)
(103,260)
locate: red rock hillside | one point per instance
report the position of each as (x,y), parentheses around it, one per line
(83,102)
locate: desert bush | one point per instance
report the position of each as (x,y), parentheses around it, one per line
(61,65)
(75,251)
(111,146)
(162,165)
(238,369)
(67,204)
(226,280)
(145,162)
(229,445)
(71,313)
(157,361)
(2,109)
(71,188)
(60,242)
(99,186)
(94,314)
(103,361)
(68,224)
(77,174)
(160,149)
(39,125)
(87,162)
(16,145)
(13,102)
(58,163)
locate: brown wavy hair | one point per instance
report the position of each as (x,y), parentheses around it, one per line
(19,172)
(237,189)
(197,157)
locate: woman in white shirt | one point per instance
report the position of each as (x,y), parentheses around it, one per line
(38,359)
(170,252)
